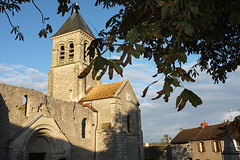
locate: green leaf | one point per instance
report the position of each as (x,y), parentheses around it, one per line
(188,29)
(185,96)
(160,93)
(140,48)
(118,69)
(160,3)
(49,28)
(94,73)
(146,89)
(194,9)
(194,99)
(43,33)
(132,36)
(135,54)
(182,56)
(85,72)
(119,49)
(175,82)
(164,11)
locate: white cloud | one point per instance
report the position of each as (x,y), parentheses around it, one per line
(158,117)
(20,75)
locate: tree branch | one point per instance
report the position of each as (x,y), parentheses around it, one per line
(8,17)
(39,11)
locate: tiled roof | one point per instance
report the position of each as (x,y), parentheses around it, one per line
(197,134)
(74,22)
(102,91)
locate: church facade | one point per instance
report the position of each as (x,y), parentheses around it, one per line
(78,119)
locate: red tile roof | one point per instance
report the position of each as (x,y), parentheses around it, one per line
(197,134)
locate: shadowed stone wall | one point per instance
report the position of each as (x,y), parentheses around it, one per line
(15,115)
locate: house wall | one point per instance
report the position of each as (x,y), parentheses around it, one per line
(112,132)
(67,115)
(182,151)
(208,154)
(129,107)
(190,150)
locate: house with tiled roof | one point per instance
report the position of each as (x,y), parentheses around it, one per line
(78,119)
(204,143)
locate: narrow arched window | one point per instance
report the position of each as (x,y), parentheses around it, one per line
(24,105)
(84,127)
(85,51)
(128,123)
(62,54)
(71,51)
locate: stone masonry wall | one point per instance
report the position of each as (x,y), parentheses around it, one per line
(68,116)
(4,129)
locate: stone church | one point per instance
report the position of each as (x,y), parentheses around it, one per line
(78,119)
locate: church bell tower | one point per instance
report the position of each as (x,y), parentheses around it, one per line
(69,58)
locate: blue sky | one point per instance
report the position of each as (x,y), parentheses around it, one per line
(27,64)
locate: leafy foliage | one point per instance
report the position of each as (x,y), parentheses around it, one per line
(168,31)
(165,31)
(166,139)
(13,6)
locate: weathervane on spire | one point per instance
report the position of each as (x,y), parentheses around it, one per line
(75,7)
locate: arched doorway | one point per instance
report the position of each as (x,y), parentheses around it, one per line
(39,145)
(41,139)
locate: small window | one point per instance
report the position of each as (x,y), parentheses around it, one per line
(177,147)
(71,51)
(128,97)
(62,54)
(24,105)
(188,149)
(238,145)
(128,123)
(201,147)
(84,127)
(216,146)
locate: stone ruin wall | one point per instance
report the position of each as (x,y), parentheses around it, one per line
(68,115)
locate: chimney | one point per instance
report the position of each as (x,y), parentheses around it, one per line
(203,124)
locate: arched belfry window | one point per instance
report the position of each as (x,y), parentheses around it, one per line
(61,54)
(128,123)
(84,127)
(85,51)
(71,51)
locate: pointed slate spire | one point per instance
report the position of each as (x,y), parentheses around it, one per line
(74,22)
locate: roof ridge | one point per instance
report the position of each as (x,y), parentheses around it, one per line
(205,126)
(109,83)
